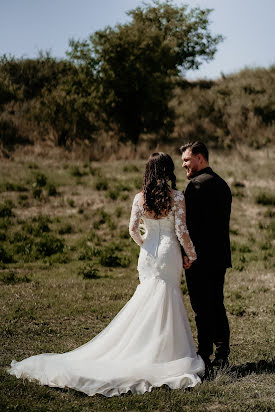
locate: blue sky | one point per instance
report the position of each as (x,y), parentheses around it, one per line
(28,26)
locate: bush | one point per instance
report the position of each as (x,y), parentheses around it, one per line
(75,171)
(265,199)
(40,180)
(66,229)
(37,192)
(89,272)
(51,189)
(6,209)
(4,256)
(71,202)
(48,245)
(10,278)
(111,258)
(101,183)
(130,168)
(12,187)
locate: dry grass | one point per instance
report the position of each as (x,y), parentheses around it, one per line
(47,305)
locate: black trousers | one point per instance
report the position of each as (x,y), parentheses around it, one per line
(205,286)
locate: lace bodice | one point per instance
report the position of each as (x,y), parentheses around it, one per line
(172,224)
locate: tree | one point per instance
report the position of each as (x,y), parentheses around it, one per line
(134,64)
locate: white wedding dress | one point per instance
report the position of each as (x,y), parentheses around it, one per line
(149,342)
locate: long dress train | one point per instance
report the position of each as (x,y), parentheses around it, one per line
(149,342)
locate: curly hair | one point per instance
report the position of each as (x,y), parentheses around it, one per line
(159,171)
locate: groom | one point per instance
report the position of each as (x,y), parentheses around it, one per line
(208,206)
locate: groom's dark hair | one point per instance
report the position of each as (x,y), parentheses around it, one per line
(196,148)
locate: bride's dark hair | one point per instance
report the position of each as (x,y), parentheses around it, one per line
(159,171)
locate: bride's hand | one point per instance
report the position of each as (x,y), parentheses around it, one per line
(186,262)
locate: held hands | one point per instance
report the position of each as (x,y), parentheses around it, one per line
(187,263)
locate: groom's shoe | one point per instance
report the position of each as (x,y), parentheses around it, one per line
(209,371)
(220,363)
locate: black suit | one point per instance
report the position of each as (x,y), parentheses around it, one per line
(208,206)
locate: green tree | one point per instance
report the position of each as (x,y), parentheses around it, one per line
(133,65)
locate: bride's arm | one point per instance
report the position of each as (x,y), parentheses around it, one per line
(134,222)
(181,228)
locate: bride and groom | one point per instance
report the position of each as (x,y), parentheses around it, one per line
(149,343)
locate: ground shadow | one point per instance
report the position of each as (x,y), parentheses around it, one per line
(263,366)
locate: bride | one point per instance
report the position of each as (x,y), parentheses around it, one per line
(149,342)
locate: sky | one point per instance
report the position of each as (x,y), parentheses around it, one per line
(28,26)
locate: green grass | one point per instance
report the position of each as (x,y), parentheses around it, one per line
(64,275)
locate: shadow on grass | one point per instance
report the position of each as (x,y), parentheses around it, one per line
(259,368)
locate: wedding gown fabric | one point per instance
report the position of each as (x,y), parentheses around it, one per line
(149,342)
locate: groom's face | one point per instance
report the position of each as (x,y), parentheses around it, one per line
(190,163)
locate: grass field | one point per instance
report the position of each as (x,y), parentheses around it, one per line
(68,266)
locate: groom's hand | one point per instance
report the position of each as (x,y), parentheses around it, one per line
(186,263)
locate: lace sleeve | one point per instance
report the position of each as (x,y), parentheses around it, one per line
(181,228)
(134,222)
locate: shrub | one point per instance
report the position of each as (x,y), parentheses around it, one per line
(71,202)
(4,256)
(48,245)
(6,209)
(66,229)
(130,168)
(265,199)
(111,258)
(51,189)
(40,180)
(118,211)
(95,171)
(11,278)
(12,187)
(89,272)
(32,165)
(101,183)
(75,171)
(138,181)
(114,193)
(37,192)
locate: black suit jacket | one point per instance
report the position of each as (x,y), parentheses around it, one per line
(208,207)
